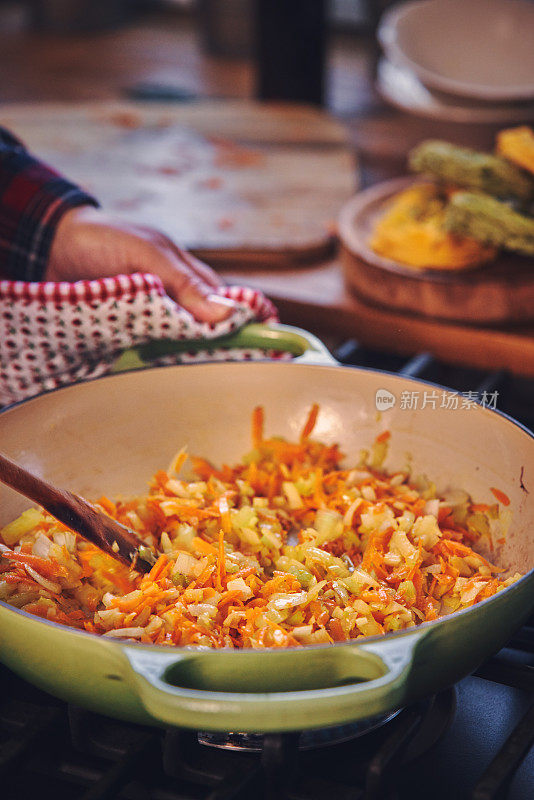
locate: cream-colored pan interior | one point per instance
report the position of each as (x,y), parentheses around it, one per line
(109,436)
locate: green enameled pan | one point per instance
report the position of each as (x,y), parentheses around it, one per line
(110,435)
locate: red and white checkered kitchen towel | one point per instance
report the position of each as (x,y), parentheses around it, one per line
(53,334)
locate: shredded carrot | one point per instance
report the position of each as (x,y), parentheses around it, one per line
(204,469)
(244,573)
(157,568)
(336,631)
(16,577)
(383,437)
(359,565)
(257,427)
(205,575)
(226,520)
(221,559)
(501,496)
(309,425)
(178,461)
(49,569)
(108,506)
(204,547)
(117,579)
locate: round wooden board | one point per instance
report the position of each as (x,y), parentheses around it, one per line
(495,293)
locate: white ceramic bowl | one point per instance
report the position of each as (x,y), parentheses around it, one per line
(402,88)
(482,49)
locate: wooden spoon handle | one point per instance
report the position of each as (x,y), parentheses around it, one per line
(108,534)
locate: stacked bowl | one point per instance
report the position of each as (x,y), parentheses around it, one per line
(460,60)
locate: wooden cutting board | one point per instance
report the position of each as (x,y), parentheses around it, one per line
(238,183)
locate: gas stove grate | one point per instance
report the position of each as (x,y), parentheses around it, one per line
(67,752)
(75,753)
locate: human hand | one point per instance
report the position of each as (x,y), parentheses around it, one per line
(89,243)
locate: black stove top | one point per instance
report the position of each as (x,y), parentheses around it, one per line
(471,741)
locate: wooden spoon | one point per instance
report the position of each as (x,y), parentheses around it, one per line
(108,534)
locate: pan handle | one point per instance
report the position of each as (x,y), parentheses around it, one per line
(306,347)
(272,690)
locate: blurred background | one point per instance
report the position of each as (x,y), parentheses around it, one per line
(329,104)
(368,109)
(323,52)
(78,49)
(313,51)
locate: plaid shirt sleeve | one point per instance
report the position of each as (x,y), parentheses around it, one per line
(33,198)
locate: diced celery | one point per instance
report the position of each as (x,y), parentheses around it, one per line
(184,536)
(249,536)
(479,523)
(27,521)
(187,565)
(244,517)
(292,495)
(297,618)
(328,524)
(253,456)
(305,486)
(392,622)
(270,539)
(427,530)
(180,580)
(379,453)
(407,590)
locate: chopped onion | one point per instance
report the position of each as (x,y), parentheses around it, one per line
(50,585)
(302,630)
(187,565)
(125,633)
(288,601)
(351,510)
(292,495)
(432,507)
(197,609)
(238,584)
(41,546)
